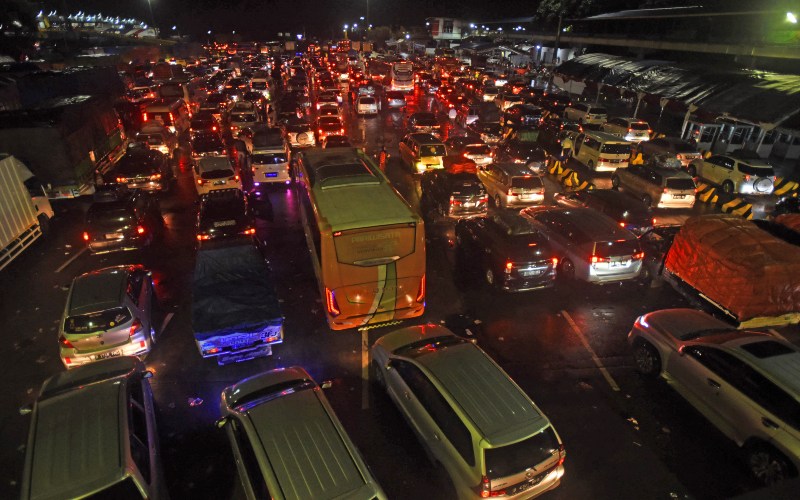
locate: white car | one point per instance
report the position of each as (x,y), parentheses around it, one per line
(630,129)
(270,167)
(481,154)
(586,113)
(366,105)
(215,172)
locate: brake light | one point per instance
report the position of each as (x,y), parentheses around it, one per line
(638,256)
(171,119)
(330,303)
(484,199)
(622,225)
(200,182)
(654,221)
(203,237)
(596,259)
(555,261)
(454,201)
(236,177)
(509,266)
(140,229)
(562,455)
(486,489)
(746,177)
(144,117)
(155,177)
(136,327)
(213,128)
(630,130)
(421,294)
(249,230)
(85,236)
(66,344)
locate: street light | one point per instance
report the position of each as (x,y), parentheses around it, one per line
(152,19)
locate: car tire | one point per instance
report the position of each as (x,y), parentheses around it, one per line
(566,271)
(590,164)
(498,202)
(490,278)
(647,200)
(727,187)
(615,182)
(767,464)
(646,359)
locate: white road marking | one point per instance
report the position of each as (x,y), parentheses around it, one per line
(775,333)
(585,343)
(71,259)
(364,368)
(167,319)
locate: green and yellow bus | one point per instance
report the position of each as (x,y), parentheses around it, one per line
(367,244)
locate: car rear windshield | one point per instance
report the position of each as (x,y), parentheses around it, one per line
(616,149)
(532,182)
(217,173)
(432,150)
(244,117)
(760,171)
(517,457)
(270,158)
(466,186)
(620,248)
(598,111)
(478,150)
(367,100)
(152,139)
(679,183)
(111,217)
(639,126)
(164,118)
(258,85)
(96,322)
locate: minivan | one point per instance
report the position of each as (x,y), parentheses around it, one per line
(601,151)
(512,185)
(422,152)
(93,434)
(288,443)
(172,114)
(585,113)
(630,129)
(471,418)
(590,246)
(215,172)
(657,186)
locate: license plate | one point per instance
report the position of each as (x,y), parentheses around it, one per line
(238,357)
(106,355)
(224,223)
(468,204)
(533,272)
(272,174)
(219,183)
(620,263)
(113,236)
(679,196)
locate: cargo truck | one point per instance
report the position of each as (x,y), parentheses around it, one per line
(25,211)
(236,315)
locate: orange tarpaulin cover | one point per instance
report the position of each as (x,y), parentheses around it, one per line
(459,165)
(737,265)
(792,221)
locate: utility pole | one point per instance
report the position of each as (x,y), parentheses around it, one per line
(555,52)
(367,20)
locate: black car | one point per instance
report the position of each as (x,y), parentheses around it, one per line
(423,122)
(627,211)
(215,103)
(555,103)
(490,132)
(143,168)
(522,146)
(224,214)
(207,143)
(454,192)
(204,122)
(119,219)
(521,116)
(779,230)
(507,251)
(552,128)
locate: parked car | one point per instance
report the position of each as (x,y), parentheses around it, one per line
(740,172)
(590,245)
(507,251)
(743,382)
(454,191)
(443,385)
(656,186)
(223,213)
(523,147)
(630,129)
(119,219)
(109,313)
(215,172)
(624,210)
(684,151)
(288,405)
(584,113)
(143,168)
(93,434)
(512,185)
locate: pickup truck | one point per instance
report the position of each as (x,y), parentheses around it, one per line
(236,315)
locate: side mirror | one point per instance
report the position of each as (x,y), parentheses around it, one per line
(147,374)
(221,422)
(25,410)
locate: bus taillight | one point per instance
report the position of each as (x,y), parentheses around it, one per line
(421,294)
(330,303)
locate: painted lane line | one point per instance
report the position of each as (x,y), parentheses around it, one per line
(595,358)
(364,368)
(71,259)
(167,319)
(776,334)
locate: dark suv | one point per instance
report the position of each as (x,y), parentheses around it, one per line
(454,192)
(122,220)
(143,168)
(223,213)
(628,212)
(509,253)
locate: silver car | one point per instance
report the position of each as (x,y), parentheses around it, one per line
(395,100)
(744,382)
(108,314)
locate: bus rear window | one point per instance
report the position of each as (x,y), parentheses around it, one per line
(376,245)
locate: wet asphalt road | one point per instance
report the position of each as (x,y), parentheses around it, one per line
(626,438)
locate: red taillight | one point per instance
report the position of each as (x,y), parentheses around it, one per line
(200,182)
(171,119)
(330,303)
(140,229)
(562,455)
(595,259)
(65,343)
(654,221)
(509,266)
(249,230)
(85,236)
(746,177)
(486,489)
(421,294)
(630,130)
(454,201)
(203,237)
(622,225)
(155,177)
(554,260)
(638,256)
(214,128)
(136,327)
(144,117)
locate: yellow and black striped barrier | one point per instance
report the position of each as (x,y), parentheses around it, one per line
(554,166)
(785,187)
(707,193)
(738,206)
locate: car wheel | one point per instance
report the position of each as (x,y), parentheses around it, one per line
(498,202)
(489,276)
(567,270)
(692,170)
(615,182)
(646,359)
(590,165)
(647,200)
(767,464)
(727,187)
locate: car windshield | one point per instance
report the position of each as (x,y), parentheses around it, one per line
(479,149)
(243,117)
(679,183)
(97,321)
(517,457)
(269,158)
(616,149)
(431,150)
(757,170)
(258,85)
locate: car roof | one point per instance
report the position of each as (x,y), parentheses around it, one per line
(424,138)
(606,137)
(298,434)
(98,290)
(500,410)
(669,172)
(514,169)
(778,360)
(63,466)
(222,203)
(617,199)
(593,224)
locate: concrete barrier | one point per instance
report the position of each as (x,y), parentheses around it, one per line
(738,206)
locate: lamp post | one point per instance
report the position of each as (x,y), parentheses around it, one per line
(152,19)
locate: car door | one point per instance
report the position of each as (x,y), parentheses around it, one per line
(400,384)
(713,170)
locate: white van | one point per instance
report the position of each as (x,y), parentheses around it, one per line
(601,151)
(215,172)
(172,114)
